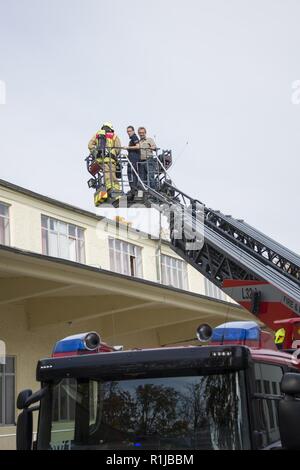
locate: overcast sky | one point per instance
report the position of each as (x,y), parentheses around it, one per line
(217,74)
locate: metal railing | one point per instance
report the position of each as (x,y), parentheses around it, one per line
(119,175)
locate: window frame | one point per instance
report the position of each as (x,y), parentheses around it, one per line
(4,374)
(46,422)
(171,272)
(79,238)
(254,396)
(60,394)
(133,259)
(6,218)
(213,291)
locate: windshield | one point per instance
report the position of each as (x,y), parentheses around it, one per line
(197,412)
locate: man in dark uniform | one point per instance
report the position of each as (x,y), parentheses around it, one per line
(134,156)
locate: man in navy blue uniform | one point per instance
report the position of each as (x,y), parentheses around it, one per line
(134,156)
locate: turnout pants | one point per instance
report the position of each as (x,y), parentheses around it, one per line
(108,166)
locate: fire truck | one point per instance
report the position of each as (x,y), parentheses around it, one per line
(234,390)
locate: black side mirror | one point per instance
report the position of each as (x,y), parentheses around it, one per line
(289,411)
(25,419)
(22,399)
(25,422)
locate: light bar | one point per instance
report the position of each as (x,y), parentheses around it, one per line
(83,343)
(237,332)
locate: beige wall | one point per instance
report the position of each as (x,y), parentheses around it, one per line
(25,227)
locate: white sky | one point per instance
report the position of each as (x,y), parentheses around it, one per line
(216,74)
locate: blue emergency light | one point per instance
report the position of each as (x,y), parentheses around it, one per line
(77,344)
(239,331)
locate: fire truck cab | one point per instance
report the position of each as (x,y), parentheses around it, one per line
(235,391)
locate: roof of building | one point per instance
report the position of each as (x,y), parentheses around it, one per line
(70,207)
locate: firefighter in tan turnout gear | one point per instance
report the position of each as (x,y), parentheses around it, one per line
(105,147)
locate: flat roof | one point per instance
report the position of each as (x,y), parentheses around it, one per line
(70,207)
(49,200)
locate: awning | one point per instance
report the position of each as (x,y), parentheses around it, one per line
(53,291)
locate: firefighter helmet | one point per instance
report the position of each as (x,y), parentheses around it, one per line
(109,125)
(280,336)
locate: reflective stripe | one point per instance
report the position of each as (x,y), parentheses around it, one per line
(106,160)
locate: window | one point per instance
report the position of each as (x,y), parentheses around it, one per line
(213,291)
(125,258)
(7,392)
(64,412)
(267,396)
(160,413)
(174,272)
(63,403)
(4,224)
(62,240)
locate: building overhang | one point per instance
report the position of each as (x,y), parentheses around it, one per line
(54,291)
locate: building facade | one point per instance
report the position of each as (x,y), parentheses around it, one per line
(38,224)
(64,270)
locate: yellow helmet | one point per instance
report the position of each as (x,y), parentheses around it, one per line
(108,124)
(279,336)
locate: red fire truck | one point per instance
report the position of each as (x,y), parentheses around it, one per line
(236,391)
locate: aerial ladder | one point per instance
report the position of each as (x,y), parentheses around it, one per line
(257,272)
